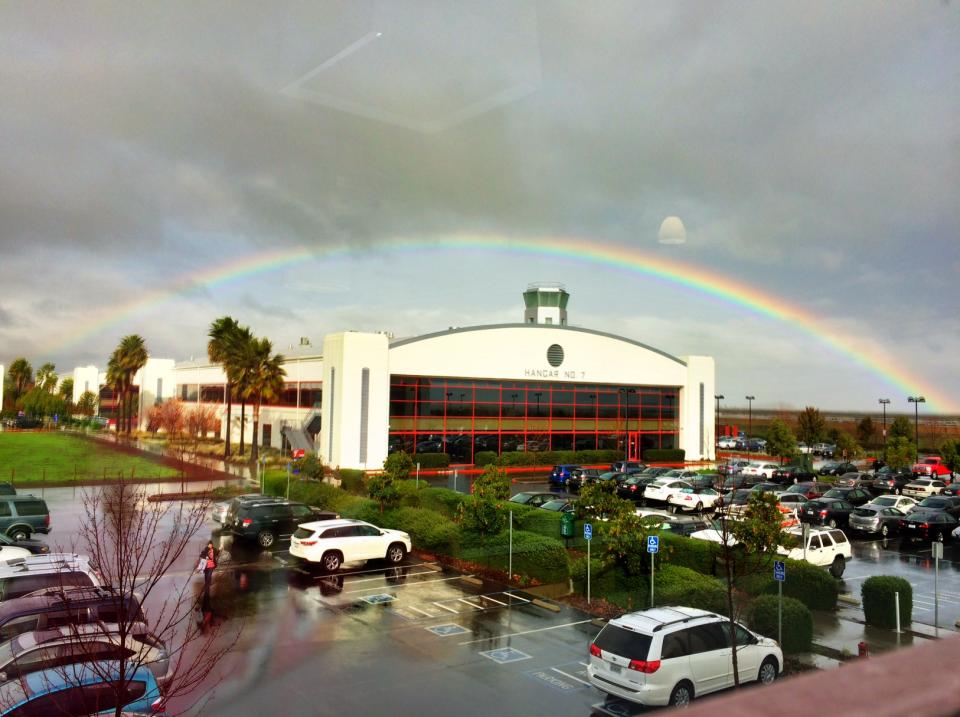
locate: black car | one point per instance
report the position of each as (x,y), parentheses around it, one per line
(533,499)
(733,499)
(36,547)
(580,477)
(271,520)
(685,526)
(787,474)
(952,489)
(891,480)
(766,487)
(947,503)
(826,511)
(927,525)
(705,480)
(627,466)
(856,496)
(634,486)
(832,468)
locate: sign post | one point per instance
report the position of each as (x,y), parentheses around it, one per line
(653,547)
(418,474)
(588,536)
(780,575)
(937,554)
(510,563)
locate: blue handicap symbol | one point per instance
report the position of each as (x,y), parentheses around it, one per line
(653,544)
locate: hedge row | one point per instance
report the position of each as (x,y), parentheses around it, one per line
(879,603)
(797,622)
(811,585)
(431,460)
(673,585)
(535,557)
(664,455)
(545,458)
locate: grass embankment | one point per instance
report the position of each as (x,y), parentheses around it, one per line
(62,458)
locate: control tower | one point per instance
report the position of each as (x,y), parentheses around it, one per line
(545,303)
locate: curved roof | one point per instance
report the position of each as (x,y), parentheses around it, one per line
(553,327)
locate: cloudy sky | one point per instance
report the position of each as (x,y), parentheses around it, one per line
(811,149)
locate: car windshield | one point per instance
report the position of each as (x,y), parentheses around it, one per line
(887,502)
(934,503)
(554,505)
(866,512)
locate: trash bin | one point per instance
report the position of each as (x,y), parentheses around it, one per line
(566,525)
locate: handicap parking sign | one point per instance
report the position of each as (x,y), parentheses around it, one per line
(779,570)
(587,531)
(653,544)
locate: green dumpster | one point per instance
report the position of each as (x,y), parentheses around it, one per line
(566,525)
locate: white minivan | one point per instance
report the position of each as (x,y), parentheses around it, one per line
(670,655)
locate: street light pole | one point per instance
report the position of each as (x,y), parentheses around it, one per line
(916,401)
(749,418)
(716,419)
(884,402)
(625,392)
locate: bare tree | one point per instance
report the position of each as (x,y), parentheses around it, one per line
(146,549)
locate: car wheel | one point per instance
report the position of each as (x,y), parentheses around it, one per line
(884,530)
(699,507)
(838,566)
(682,695)
(832,523)
(396,553)
(20,534)
(331,561)
(768,671)
(266,538)
(671,508)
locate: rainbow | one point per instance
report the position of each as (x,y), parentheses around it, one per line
(672,271)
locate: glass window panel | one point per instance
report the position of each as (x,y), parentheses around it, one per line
(561,442)
(562,396)
(403,408)
(510,442)
(585,442)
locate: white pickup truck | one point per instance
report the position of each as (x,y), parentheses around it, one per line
(828,548)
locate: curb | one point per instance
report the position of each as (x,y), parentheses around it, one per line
(849,599)
(546,605)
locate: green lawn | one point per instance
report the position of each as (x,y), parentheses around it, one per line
(60,457)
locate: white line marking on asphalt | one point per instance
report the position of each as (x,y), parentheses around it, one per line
(585,664)
(487,597)
(449,609)
(922,609)
(422,612)
(525,632)
(569,676)
(381,570)
(858,577)
(471,604)
(409,575)
(405,585)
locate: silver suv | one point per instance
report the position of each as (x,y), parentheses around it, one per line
(669,655)
(21,576)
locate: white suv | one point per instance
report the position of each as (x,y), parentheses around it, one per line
(334,542)
(828,548)
(669,655)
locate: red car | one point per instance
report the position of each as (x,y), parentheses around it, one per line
(932,466)
(812,490)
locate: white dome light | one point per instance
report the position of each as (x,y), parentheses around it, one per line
(672,231)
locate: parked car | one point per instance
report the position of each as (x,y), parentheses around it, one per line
(766,488)
(891,480)
(705,480)
(900,502)
(558,505)
(627,466)
(7,488)
(733,502)
(756,445)
(634,487)
(735,482)
(927,525)
(52,570)
(803,448)
(669,655)
(761,469)
(561,473)
(23,515)
(872,519)
(693,498)
(34,547)
(271,520)
(732,467)
(792,501)
(681,474)
(855,480)
(727,443)
(92,642)
(826,548)
(832,468)
(855,496)
(947,503)
(580,477)
(791,473)
(53,607)
(812,490)
(75,690)
(826,511)
(663,488)
(826,450)
(617,478)
(334,542)
(923,487)
(654,471)
(952,489)
(533,499)
(684,525)
(932,466)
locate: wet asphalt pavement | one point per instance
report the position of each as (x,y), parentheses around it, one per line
(421,638)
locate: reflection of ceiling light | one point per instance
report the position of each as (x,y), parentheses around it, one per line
(672,231)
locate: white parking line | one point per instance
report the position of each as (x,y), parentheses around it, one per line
(381,577)
(471,604)
(526,632)
(416,609)
(378,570)
(487,597)
(405,585)
(569,676)
(444,607)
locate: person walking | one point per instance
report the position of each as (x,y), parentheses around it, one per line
(208,563)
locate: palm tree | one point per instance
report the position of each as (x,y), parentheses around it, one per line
(263,381)
(129,357)
(20,374)
(117,380)
(225,334)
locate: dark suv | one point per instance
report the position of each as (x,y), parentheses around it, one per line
(270,519)
(23,515)
(56,607)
